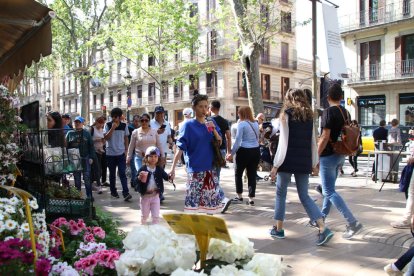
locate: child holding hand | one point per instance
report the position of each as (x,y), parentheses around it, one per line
(150,185)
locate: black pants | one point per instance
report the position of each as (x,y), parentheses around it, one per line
(96,169)
(353,160)
(247,159)
(104,167)
(405,259)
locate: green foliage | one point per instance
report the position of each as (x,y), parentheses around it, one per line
(160,29)
(114,236)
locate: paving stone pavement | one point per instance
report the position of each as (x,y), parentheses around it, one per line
(366,254)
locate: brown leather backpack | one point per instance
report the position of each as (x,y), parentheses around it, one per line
(348,143)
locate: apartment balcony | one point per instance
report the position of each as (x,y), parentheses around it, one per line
(211,92)
(376,73)
(139,102)
(391,13)
(278,62)
(178,96)
(239,93)
(267,97)
(151,100)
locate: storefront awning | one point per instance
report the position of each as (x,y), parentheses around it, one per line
(25,35)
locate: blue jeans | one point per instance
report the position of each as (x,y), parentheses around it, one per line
(86,171)
(120,162)
(133,170)
(328,170)
(137,163)
(302,183)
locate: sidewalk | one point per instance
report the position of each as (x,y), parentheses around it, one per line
(366,254)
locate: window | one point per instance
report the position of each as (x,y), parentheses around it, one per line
(211,86)
(406,7)
(286,22)
(241,84)
(285,55)
(119,96)
(63,87)
(264,14)
(76,105)
(102,98)
(406,102)
(118,72)
(371,110)
(211,7)
(164,90)
(111,97)
(110,73)
(362,12)
(64,107)
(151,91)
(265,85)
(284,87)
(70,106)
(94,100)
(370,60)
(151,61)
(178,88)
(194,84)
(212,44)
(265,57)
(373,11)
(407,54)
(139,91)
(128,66)
(193,10)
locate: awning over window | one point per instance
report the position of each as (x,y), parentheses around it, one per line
(25,35)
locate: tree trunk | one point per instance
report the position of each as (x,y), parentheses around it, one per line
(250,61)
(85,97)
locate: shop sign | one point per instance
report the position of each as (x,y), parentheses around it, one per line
(371,101)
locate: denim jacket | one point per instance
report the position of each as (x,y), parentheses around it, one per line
(159,176)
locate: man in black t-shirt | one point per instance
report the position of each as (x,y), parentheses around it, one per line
(333,119)
(223,124)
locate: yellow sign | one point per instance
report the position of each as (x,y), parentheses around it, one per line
(203,227)
(349,101)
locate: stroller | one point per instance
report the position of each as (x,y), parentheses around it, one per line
(268,150)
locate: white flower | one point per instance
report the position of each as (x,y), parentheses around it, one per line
(266,265)
(2,226)
(25,227)
(1,216)
(63,269)
(181,272)
(177,251)
(130,264)
(33,204)
(10,224)
(240,248)
(14,201)
(9,238)
(9,209)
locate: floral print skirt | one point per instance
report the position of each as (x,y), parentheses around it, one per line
(204,193)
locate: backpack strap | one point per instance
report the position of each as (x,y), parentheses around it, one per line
(347,121)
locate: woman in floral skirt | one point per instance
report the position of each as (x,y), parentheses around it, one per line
(195,140)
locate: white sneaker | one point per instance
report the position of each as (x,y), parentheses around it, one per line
(94,187)
(401,225)
(225,205)
(388,269)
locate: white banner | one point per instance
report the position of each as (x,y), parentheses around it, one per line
(336,59)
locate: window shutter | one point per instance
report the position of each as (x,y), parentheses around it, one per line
(209,44)
(398,56)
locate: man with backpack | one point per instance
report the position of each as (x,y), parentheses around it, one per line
(336,141)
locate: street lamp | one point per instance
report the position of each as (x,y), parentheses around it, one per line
(128,81)
(48,104)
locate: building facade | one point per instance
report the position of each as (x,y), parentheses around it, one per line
(131,89)
(379,47)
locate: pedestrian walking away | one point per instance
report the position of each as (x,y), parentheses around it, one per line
(223,124)
(116,135)
(331,123)
(353,159)
(203,192)
(131,127)
(150,184)
(246,148)
(296,154)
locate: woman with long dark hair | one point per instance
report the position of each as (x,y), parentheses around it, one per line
(296,154)
(55,132)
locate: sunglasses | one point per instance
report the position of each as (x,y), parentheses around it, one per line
(144,120)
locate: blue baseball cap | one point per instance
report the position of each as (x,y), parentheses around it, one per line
(80,119)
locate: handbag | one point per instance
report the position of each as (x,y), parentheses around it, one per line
(218,160)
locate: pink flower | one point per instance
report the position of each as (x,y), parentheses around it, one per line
(99,232)
(81,224)
(89,237)
(74,229)
(59,222)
